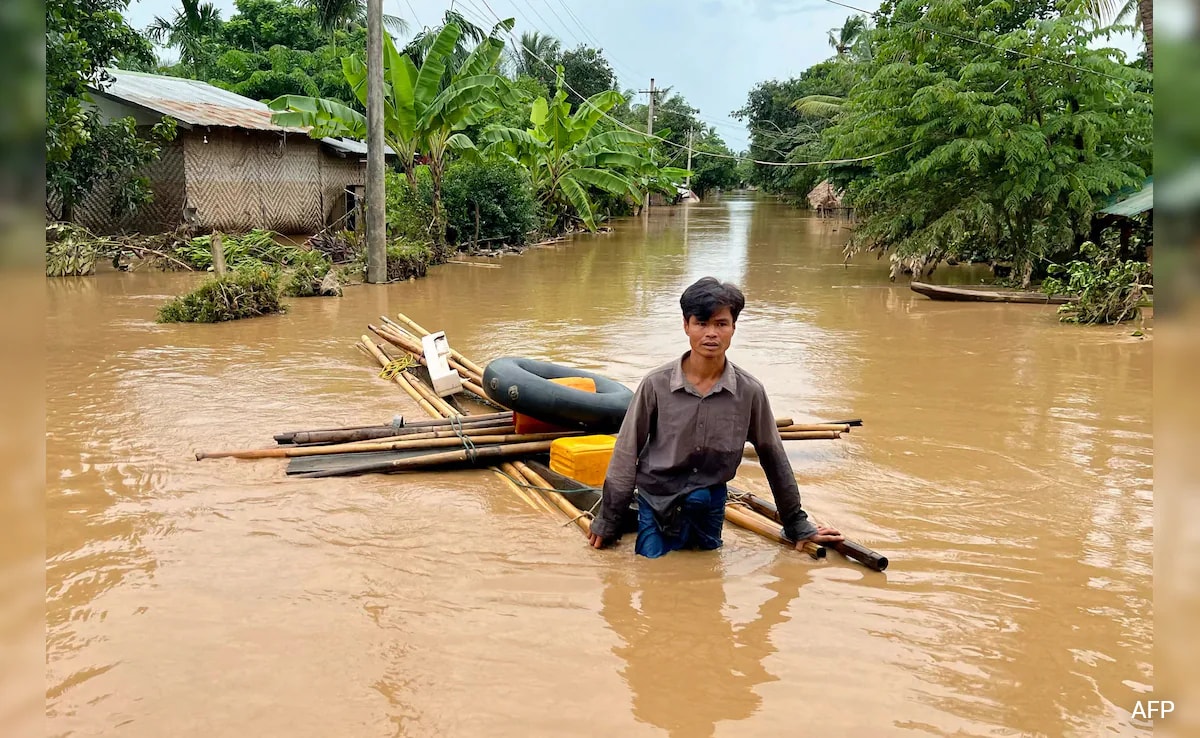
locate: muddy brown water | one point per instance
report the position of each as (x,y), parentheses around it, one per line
(1004,467)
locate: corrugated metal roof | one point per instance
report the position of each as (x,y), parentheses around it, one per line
(197,103)
(1135,204)
(190,101)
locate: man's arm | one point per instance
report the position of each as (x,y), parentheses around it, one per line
(622,468)
(764,434)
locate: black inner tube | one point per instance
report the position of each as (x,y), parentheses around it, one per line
(524,386)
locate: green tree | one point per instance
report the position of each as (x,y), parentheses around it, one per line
(193,30)
(344,15)
(260,24)
(566,156)
(712,172)
(585,73)
(82,38)
(851,33)
(419,114)
(526,60)
(1105,12)
(982,149)
(784,130)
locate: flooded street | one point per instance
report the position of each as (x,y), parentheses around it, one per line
(1004,467)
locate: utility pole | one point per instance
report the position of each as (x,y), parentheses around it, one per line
(687,182)
(649,132)
(376,199)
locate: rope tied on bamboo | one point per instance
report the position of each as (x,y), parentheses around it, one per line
(395,366)
(590,513)
(469,445)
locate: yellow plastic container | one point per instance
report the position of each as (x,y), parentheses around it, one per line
(584,458)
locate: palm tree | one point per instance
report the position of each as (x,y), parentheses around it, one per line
(534,45)
(1114,11)
(192,30)
(335,15)
(844,39)
(470,35)
(819,106)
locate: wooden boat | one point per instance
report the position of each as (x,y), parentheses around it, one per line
(986,293)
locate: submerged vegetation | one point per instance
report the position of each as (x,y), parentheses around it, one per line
(1107,288)
(246,292)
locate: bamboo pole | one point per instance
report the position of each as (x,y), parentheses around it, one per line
(798,427)
(421,333)
(781,422)
(809,435)
(850,549)
(766,528)
(572,512)
(379,433)
(432,439)
(444,408)
(435,460)
(391,332)
(399,377)
(420,358)
(516,489)
(540,499)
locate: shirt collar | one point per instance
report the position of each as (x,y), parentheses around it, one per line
(727,380)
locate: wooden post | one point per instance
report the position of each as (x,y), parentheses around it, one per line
(218,254)
(475,245)
(376,199)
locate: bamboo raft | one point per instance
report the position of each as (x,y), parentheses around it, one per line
(451,438)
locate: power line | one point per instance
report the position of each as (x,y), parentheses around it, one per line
(713,154)
(931,29)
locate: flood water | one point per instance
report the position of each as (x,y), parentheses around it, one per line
(1004,467)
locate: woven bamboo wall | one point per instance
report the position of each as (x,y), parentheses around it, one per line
(250,179)
(234,180)
(162,214)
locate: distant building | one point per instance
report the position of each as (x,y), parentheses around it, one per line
(229,168)
(826,200)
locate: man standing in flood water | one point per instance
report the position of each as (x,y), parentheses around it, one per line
(683,436)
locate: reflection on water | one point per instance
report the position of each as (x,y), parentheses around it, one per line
(1004,468)
(686,663)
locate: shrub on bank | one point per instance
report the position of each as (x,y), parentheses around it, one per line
(507,208)
(407,259)
(410,214)
(250,290)
(312,275)
(1107,288)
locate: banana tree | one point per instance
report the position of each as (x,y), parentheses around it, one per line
(566,155)
(420,115)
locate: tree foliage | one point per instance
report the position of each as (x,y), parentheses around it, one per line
(568,157)
(420,114)
(82,38)
(983,148)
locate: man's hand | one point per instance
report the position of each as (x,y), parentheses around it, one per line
(824,534)
(596,541)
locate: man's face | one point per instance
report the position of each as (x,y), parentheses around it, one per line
(710,338)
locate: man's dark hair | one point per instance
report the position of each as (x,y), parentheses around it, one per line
(709,295)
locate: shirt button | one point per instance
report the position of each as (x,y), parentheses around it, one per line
(695,471)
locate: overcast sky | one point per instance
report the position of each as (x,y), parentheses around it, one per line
(710,51)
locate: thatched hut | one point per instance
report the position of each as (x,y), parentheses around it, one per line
(229,168)
(825,199)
